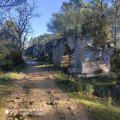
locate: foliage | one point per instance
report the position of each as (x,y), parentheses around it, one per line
(97,93)
(9,31)
(98,27)
(10,56)
(109,101)
(5,87)
(11,3)
(42,39)
(70,18)
(96,19)
(98,71)
(89,89)
(79,87)
(115,61)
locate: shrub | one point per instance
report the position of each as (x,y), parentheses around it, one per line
(78,87)
(109,102)
(89,89)
(100,91)
(71,86)
(115,61)
(10,56)
(99,71)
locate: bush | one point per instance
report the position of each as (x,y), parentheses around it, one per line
(115,61)
(100,91)
(99,71)
(10,56)
(78,87)
(89,89)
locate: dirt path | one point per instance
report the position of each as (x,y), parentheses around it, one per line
(36,97)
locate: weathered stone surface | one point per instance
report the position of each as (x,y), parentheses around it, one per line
(57,51)
(84,58)
(48,49)
(29,50)
(35,50)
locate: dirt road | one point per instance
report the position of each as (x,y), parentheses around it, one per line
(36,97)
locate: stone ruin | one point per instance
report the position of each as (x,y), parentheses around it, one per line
(79,55)
(35,50)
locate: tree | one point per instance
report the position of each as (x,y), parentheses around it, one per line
(9,31)
(6,5)
(98,24)
(115,20)
(70,18)
(23,25)
(10,3)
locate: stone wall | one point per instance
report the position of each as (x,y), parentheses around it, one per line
(57,51)
(84,57)
(35,50)
(48,50)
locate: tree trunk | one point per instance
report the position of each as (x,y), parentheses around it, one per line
(116,14)
(101,4)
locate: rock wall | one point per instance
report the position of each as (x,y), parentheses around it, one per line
(84,57)
(35,50)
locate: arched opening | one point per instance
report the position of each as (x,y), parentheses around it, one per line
(65,62)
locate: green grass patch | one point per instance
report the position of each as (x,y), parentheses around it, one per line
(6,83)
(6,87)
(97,108)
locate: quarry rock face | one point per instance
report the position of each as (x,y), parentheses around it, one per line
(79,55)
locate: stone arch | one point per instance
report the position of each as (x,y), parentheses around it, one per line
(67,49)
(66,60)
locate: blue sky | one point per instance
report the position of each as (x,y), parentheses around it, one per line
(47,7)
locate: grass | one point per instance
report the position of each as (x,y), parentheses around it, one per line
(103,104)
(6,83)
(98,109)
(6,87)
(97,106)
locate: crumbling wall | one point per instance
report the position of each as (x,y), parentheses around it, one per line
(48,50)
(84,58)
(35,50)
(57,51)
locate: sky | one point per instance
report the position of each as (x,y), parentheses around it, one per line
(46,8)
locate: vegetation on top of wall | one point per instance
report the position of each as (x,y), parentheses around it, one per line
(99,71)
(93,18)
